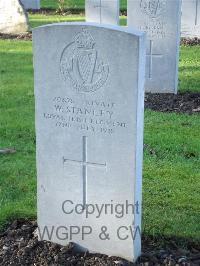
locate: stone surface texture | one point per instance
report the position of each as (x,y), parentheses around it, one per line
(13,18)
(190,21)
(31,4)
(89,91)
(102,11)
(161,20)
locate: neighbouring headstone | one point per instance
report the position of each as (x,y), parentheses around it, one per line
(13,18)
(89,90)
(31,4)
(190,22)
(102,11)
(161,20)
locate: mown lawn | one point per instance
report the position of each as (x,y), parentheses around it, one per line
(37,20)
(189,69)
(73,4)
(171,160)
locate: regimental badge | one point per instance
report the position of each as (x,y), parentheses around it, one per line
(81,64)
(153,8)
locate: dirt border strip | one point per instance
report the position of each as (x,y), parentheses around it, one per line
(187,102)
(19,245)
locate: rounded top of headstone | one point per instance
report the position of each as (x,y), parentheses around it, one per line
(132,31)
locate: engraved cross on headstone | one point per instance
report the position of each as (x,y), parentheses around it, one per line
(151,56)
(85,164)
(100,6)
(196,12)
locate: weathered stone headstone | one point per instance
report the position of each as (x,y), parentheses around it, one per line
(160,19)
(89,89)
(190,21)
(31,4)
(102,11)
(13,18)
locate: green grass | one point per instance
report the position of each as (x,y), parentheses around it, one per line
(73,4)
(189,69)
(17,174)
(172,175)
(37,20)
(171,160)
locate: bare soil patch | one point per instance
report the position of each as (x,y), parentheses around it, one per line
(181,103)
(19,246)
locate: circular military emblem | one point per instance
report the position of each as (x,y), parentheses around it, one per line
(153,8)
(81,64)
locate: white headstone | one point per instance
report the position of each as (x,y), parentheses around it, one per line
(190,22)
(160,19)
(89,90)
(102,11)
(31,4)
(13,18)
